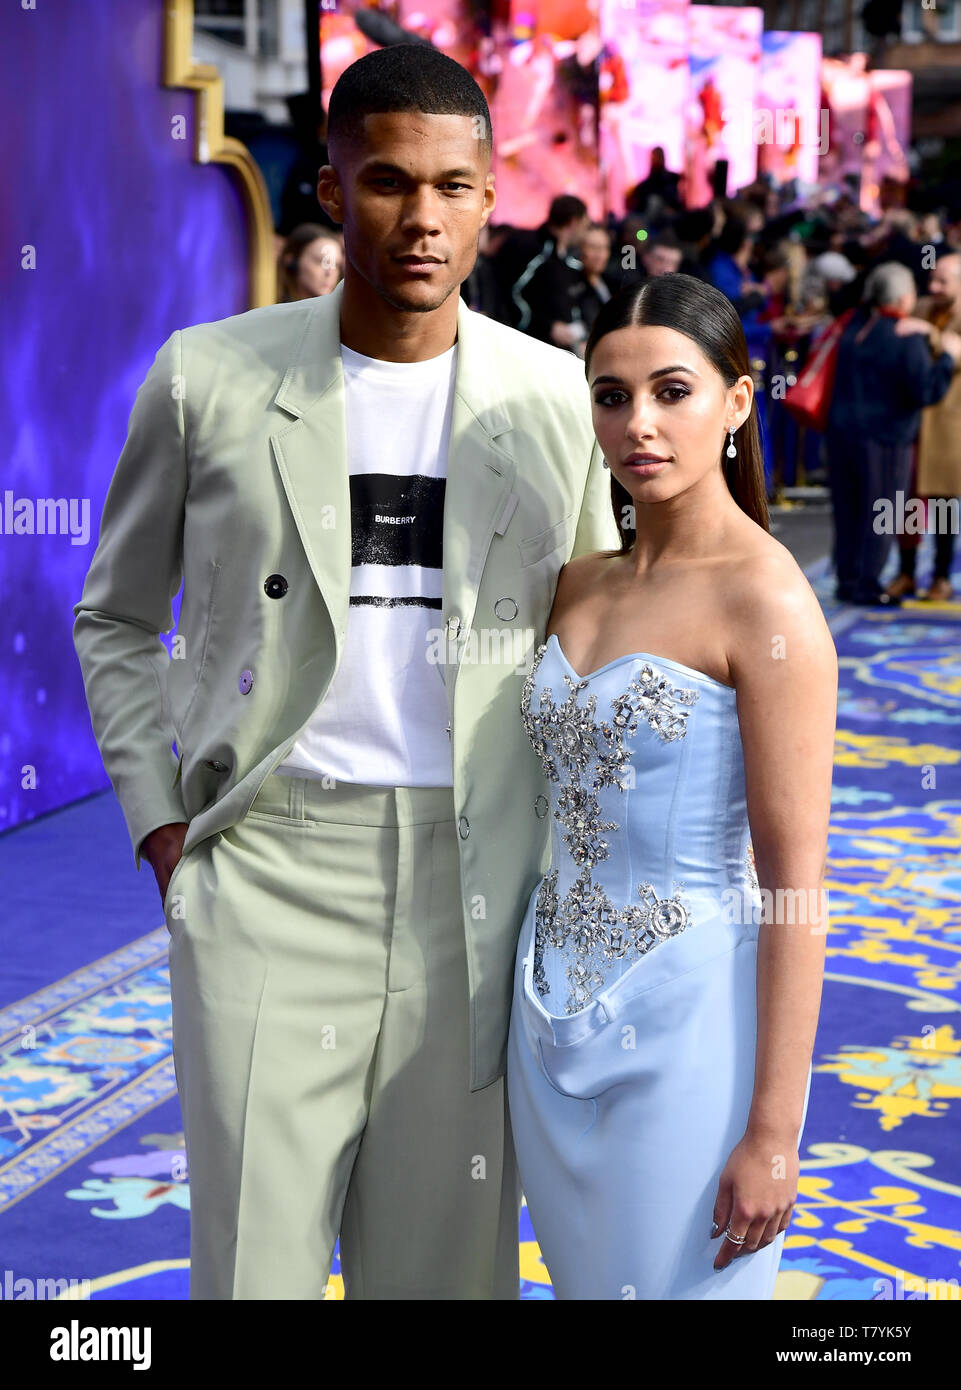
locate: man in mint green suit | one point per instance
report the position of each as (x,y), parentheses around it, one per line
(341,945)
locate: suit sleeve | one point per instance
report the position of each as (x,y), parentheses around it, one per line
(597,528)
(127,598)
(927,379)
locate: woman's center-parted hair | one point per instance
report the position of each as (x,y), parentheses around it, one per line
(404,77)
(706,316)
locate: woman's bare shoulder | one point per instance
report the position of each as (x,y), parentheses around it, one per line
(584,570)
(580,578)
(771,606)
(763,574)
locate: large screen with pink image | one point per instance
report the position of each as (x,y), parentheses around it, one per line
(342,42)
(543,66)
(791,127)
(355,27)
(869,125)
(643,81)
(535,61)
(725,63)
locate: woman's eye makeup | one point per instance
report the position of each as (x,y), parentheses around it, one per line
(671,394)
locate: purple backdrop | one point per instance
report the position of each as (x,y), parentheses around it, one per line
(132,240)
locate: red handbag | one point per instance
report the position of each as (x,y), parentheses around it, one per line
(808,401)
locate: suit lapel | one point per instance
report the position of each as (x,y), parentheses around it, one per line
(311,456)
(480,473)
(311,459)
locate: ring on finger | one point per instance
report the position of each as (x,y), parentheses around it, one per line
(736,1240)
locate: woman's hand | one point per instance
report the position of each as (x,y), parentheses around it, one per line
(903,328)
(755,1194)
(951,344)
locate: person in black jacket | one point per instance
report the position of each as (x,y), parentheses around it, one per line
(524,251)
(882,381)
(548,296)
(566,295)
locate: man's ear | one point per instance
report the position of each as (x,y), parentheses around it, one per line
(490,199)
(329,193)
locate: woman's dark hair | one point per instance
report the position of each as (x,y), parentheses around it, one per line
(404,77)
(706,316)
(293,248)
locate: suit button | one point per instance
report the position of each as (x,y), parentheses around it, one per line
(245,682)
(540,806)
(275,586)
(463,827)
(506,609)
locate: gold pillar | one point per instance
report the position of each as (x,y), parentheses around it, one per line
(213,146)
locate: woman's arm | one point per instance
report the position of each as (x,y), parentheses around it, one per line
(926,379)
(786,674)
(785,671)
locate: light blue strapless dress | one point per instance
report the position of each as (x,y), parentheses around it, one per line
(633,1030)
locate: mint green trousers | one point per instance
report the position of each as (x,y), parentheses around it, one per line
(318,975)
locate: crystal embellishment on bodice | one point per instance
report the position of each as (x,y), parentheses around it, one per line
(589,924)
(586,752)
(571,736)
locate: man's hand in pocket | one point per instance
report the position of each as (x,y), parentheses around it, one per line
(162,849)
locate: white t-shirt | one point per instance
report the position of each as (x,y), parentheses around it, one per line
(384,718)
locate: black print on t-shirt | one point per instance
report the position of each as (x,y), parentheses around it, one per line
(397,520)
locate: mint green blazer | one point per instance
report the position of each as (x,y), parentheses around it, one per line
(235,469)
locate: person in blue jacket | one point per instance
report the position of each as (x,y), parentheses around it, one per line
(727,269)
(883,378)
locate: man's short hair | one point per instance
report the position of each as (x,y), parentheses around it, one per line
(666,239)
(565,209)
(695,224)
(404,77)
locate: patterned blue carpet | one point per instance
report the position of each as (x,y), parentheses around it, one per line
(92,1173)
(879,1208)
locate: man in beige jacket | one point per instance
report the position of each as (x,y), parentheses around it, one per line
(369,497)
(938,476)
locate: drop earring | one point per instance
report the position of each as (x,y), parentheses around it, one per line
(731,451)
(606,464)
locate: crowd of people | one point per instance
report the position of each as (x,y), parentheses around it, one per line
(791,269)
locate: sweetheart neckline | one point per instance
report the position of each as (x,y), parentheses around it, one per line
(632,656)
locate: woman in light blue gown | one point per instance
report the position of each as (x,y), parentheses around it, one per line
(683,706)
